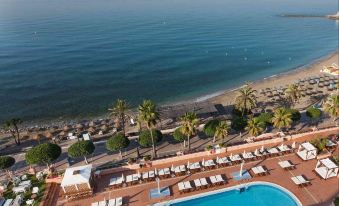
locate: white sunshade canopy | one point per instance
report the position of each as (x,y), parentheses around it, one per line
(328,163)
(308,146)
(77,175)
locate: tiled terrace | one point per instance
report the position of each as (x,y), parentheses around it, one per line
(321,192)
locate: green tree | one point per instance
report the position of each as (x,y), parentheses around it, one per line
(44,153)
(246,99)
(179,136)
(293,93)
(12,126)
(282,118)
(149,115)
(239,123)
(210,126)
(295,114)
(118,110)
(331,106)
(313,113)
(148,138)
(254,126)
(222,130)
(265,119)
(6,162)
(117,143)
(189,122)
(81,149)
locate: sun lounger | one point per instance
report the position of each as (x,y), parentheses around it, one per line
(273,151)
(188,186)
(262,170)
(203,182)
(213,180)
(255,170)
(300,181)
(181,187)
(102,203)
(118,201)
(197,183)
(95,204)
(296,181)
(111,202)
(220,179)
(286,165)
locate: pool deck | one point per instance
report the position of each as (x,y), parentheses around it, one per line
(321,192)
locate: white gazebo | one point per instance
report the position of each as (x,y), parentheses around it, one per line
(307,151)
(326,168)
(77,180)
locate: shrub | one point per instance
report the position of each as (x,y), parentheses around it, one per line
(238,123)
(295,114)
(178,135)
(145,137)
(313,113)
(210,126)
(43,154)
(209,147)
(265,119)
(6,162)
(320,144)
(117,142)
(81,148)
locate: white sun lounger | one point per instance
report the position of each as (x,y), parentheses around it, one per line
(95,204)
(118,201)
(219,178)
(213,180)
(203,181)
(255,170)
(296,180)
(187,185)
(111,202)
(197,183)
(181,186)
(102,203)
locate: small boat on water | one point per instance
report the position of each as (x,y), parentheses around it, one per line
(334,16)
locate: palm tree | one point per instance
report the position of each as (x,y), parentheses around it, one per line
(293,93)
(12,126)
(254,126)
(119,111)
(149,115)
(222,130)
(245,99)
(189,122)
(282,118)
(331,106)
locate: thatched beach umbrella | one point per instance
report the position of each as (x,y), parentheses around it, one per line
(104,128)
(92,124)
(48,134)
(79,127)
(67,128)
(91,130)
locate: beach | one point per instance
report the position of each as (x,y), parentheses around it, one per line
(312,69)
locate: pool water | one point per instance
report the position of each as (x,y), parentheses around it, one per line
(254,195)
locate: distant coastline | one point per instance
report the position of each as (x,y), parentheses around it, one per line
(224,97)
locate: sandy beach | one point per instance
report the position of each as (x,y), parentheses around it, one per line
(278,80)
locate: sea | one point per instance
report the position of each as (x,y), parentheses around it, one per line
(71,59)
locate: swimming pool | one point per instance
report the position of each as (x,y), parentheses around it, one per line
(255,194)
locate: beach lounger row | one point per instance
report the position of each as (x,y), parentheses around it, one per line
(110,202)
(201,183)
(300,181)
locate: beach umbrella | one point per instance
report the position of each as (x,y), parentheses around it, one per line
(217,159)
(104,128)
(293,145)
(188,164)
(139,174)
(203,162)
(244,153)
(37,136)
(79,126)
(67,128)
(231,156)
(92,124)
(62,133)
(172,168)
(256,152)
(123,177)
(48,134)
(91,129)
(103,122)
(262,148)
(155,171)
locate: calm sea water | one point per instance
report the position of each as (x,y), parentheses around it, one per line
(72,59)
(256,195)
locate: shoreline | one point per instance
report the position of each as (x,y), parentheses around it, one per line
(224,97)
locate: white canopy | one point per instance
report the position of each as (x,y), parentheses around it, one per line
(308,146)
(77,175)
(328,163)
